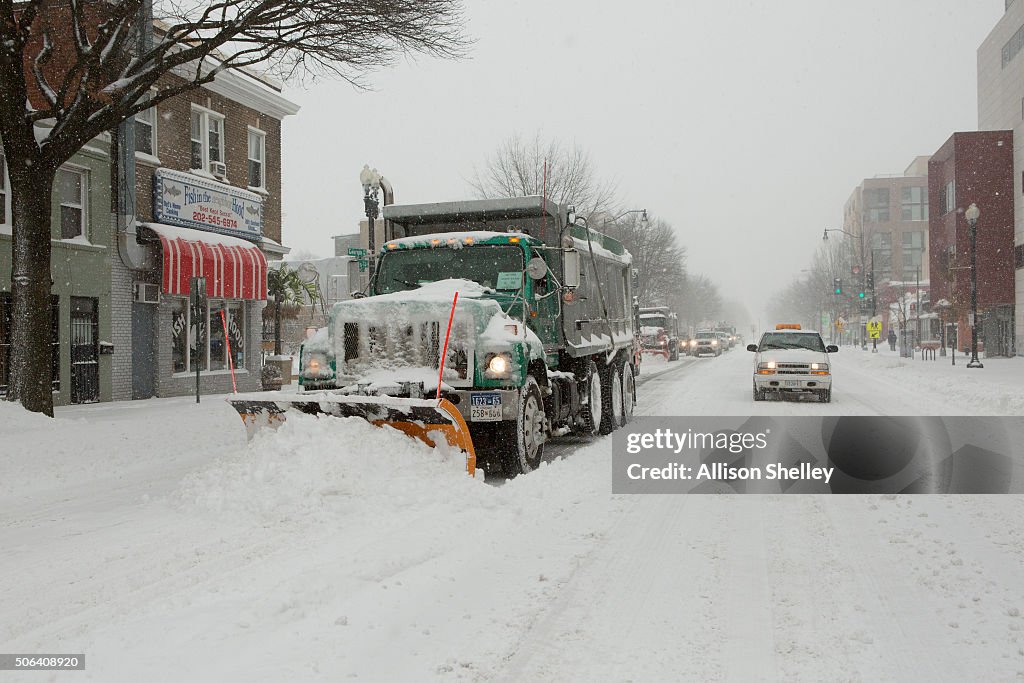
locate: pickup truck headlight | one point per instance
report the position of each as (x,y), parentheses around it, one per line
(714,342)
(766,368)
(819,369)
(498,366)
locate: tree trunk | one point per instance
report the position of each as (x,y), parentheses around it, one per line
(31,352)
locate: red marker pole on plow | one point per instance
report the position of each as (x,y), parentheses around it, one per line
(227,342)
(444,351)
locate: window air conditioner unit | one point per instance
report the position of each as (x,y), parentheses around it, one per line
(219,169)
(146,293)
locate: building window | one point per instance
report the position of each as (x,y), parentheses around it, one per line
(207,138)
(1013,46)
(71,187)
(914,204)
(913,249)
(876,201)
(204,345)
(5,194)
(1018,256)
(257,154)
(881,255)
(948,197)
(6,315)
(145,132)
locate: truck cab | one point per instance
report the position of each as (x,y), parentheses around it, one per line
(794,361)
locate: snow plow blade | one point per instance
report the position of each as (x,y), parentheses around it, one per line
(425,419)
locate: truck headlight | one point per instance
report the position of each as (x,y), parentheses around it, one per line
(767,368)
(819,368)
(714,342)
(498,365)
(315,365)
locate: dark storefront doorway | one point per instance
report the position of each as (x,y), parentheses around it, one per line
(85,358)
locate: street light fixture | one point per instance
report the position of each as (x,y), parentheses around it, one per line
(370,180)
(860,269)
(972,214)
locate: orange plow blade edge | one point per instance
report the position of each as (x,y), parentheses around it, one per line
(427,420)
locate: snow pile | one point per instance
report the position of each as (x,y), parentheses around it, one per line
(14,418)
(323,469)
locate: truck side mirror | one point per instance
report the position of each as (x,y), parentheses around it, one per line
(571,268)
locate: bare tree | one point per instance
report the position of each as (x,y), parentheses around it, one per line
(517,169)
(71,71)
(658,259)
(701,301)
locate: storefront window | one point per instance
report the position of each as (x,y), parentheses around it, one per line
(179,335)
(212,351)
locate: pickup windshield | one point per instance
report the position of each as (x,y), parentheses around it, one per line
(811,342)
(494,266)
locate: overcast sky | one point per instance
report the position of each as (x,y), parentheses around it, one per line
(746,125)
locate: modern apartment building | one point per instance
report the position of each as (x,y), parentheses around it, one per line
(887,215)
(1001,107)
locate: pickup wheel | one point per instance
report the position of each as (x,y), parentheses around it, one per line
(825,396)
(758,394)
(521,443)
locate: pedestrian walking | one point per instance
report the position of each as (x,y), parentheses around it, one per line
(892,340)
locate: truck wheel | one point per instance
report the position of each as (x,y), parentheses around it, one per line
(758,394)
(825,396)
(611,398)
(592,411)
(674,353)
(628,394)
(521,443)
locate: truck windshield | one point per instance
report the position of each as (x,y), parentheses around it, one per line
(811,342)
(653,321)
(499,267)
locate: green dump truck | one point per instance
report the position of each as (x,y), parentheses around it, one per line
(542,335)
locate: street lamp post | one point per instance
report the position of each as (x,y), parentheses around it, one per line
(972,214)
(860,239)
(370,180)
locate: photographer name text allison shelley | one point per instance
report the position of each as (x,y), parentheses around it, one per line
(731,459)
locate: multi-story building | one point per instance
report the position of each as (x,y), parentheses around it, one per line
(80,272)
(207,203)
(887,217)
(974,168)
(200,196)
(1001,107)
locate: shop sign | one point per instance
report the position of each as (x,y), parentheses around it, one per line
(193,202)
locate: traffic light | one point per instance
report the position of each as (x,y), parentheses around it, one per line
(871,281)
(837,285)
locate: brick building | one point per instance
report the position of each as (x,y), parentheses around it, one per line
(975,168)
(191,187)
(207,202)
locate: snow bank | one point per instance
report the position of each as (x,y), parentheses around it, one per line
(324,469)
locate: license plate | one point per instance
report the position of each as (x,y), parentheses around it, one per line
(485,407)
(792,383)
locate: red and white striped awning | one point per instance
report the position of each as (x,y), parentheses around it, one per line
(234,268)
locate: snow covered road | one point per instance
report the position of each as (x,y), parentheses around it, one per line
(152,538)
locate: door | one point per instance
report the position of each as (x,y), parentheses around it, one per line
(85,358)
(144,322)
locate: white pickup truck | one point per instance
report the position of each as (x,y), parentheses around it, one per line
(792,360)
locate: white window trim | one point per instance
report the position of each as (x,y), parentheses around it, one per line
(153,158)
(262,135)
(204,136)
(83,197)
